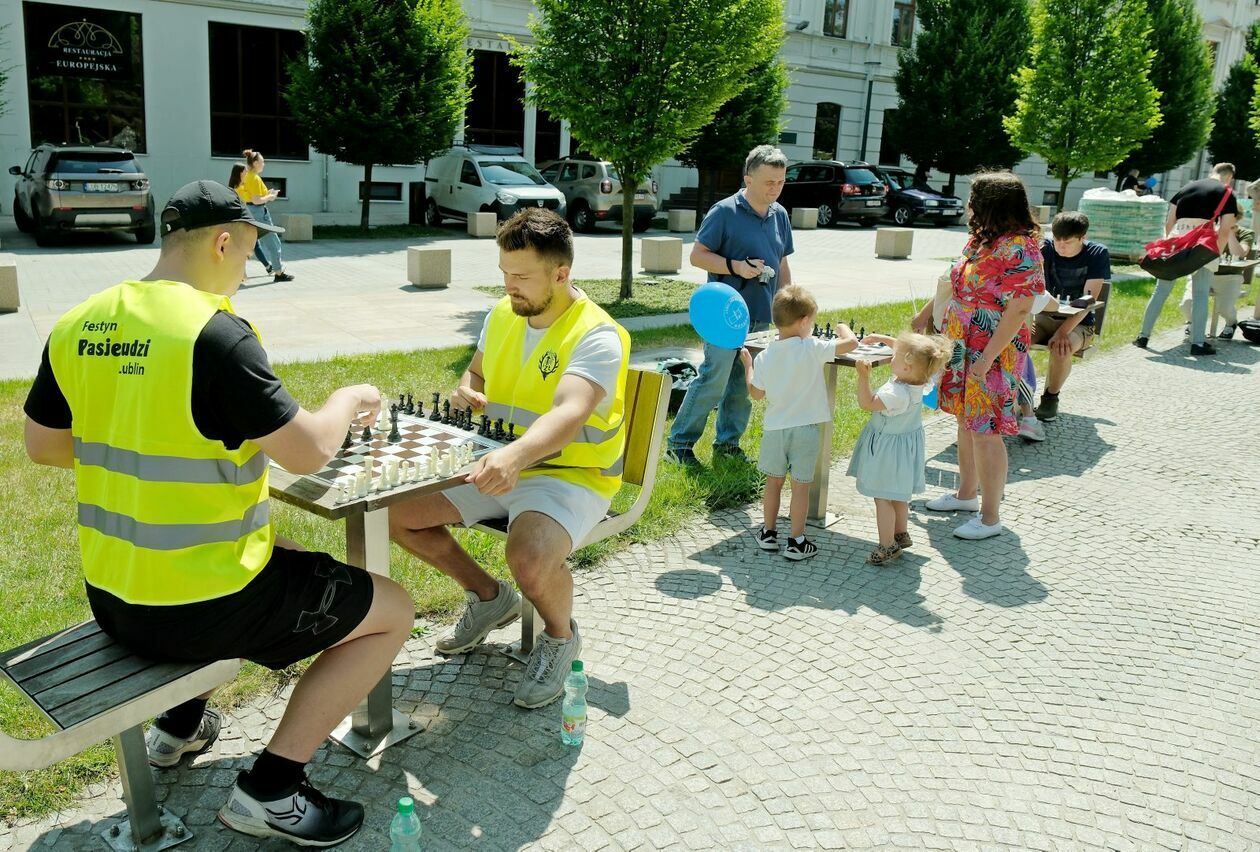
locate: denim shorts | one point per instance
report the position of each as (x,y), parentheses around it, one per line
(793,450)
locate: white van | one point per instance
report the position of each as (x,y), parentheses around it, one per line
(483,179)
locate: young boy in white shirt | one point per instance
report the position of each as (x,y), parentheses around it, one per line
(789,376)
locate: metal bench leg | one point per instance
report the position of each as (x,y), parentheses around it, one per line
(148,827)
(531,626)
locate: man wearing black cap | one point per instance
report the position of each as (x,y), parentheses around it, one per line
(163,402)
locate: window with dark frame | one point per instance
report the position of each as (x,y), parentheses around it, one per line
(826,131)
(85,76)
(836,18)
(279,184)
(249,71)
(496,115)
(384,191)
(903,23)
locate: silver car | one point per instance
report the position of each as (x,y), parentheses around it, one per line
(592,192)
(64,188)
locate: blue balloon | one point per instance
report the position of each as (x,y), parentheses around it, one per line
(930,398)
(1151,181)
(719,315)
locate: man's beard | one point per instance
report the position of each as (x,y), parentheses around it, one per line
(524,308)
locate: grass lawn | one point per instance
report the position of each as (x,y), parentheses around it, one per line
(376,232)
(41,580)
(651,295)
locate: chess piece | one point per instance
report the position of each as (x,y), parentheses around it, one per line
(446,412)
(346,444)
(402,404)
(435,414)
(410,408)
(367,434)
(861,333)
(827,332)
(511,432)
(484,428)
(498,429)
(394,437)
(816,330)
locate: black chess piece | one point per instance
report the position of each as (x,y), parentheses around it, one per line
(435,414)
(852,323)
(484,428)
(446,412)
(816,330)
(410,408)
(348,442)
(498,429)
(861,333)
(511,432)
(367,434)
(394,437)
(827,332)
(402,405)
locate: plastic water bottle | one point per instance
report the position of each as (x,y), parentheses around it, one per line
(404,831)
(573,708)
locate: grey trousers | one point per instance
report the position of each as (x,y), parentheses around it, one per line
(1200,285)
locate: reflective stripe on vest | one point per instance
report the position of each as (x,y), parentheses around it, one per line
(166,516)
(521,389)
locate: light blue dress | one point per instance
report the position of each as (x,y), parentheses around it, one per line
(890,457)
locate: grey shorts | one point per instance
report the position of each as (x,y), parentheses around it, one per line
(793,450)
(573,507)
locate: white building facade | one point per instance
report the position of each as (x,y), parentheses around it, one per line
(188,84)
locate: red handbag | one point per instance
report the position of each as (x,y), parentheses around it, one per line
(1174,257)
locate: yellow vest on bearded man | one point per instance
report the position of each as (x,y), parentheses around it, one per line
(166,515)
(521,386)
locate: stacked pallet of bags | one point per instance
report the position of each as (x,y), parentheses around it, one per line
(1124,221)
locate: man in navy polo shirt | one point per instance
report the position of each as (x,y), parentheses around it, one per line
(744,241)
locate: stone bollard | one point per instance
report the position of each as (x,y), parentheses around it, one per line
(1045,213)
(682,221)
(8,283)
(482,224)
(893,243)
(298,227)
(661,254)
(804,218)
(429,268)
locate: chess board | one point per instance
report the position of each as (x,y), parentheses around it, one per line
(418,436)
(877,353)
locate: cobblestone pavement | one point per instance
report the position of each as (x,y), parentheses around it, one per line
(352,295)
(1087,680)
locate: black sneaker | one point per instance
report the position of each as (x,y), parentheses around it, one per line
(685,457)
(768,539)
(798,550)
(301,814)
(1227,333)
(1141,342)
(1048,409)
(1202,349)
(729,451)
(282,276)
(166,750)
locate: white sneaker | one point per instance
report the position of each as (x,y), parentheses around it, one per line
(951,503)
(1030,429)
(975,529)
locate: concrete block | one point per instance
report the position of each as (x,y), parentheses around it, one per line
(661,254)
(429,268)
(804,218)
(1045,213)
(483,224)
(298,227)
(8,283)
(893,243)
(682,221)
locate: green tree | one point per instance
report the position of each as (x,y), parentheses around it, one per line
(749,119)
(1183,77)
(381,81)
(1233,137)
(957,81)
(637,79)
(1085,97)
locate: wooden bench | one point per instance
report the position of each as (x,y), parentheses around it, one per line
(647,401)
(91,688)
(1100,314)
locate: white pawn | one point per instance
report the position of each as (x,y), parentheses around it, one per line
(362,483)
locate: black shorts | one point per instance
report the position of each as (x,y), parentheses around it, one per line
(299,604)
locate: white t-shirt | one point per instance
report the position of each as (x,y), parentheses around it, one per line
(790,372)
(898,397)
(597,357)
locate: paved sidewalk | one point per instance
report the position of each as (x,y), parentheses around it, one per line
(352,295)
(1088,680)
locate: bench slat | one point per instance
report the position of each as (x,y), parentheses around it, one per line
(68,671)
(30,650)
(35,666)
(98,701)
(98,678)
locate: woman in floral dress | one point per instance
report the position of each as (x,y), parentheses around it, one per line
(993,286)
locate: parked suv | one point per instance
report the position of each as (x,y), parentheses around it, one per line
(838,190)
(908,201)
(484,180)
(592,192)
(66,188)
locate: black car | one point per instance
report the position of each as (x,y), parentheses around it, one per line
(908,201)
(838,190)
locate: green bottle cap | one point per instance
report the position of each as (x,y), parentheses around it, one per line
(406,805)
(577,665)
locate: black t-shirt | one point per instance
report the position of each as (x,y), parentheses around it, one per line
(235,394)
(1198,199)
(1067,275)
(1127,182)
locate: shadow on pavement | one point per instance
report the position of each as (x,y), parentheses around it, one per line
(993,571)
(1232,356)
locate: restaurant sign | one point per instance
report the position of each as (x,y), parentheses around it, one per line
(67,41)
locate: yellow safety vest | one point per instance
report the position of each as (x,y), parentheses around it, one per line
(166,515)
(522,391)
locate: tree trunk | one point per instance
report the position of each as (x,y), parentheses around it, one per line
(627,235)
(1063,185)
(365,207)
(949,187)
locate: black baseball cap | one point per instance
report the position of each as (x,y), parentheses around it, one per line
(203,203)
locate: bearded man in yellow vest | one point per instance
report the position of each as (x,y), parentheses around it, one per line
(554,363)
(163,402)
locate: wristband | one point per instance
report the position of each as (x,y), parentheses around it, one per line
(729,266)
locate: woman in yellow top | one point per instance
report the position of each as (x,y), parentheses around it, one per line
(247,181)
